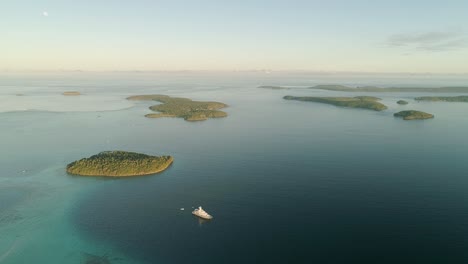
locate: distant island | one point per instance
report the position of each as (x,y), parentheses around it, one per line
(182,107)
(369,98)
(71,93)
(413,115)
(402,102)
(461,98)
(274,87)
(375,89)
(365,102)
(119,164)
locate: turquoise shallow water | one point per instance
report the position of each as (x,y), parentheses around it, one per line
(286,181)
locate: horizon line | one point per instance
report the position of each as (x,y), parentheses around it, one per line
(263,71)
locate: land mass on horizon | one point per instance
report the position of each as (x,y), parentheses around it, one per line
(461,98)
(364,102)
(71,93)
(272,87)
(376,89)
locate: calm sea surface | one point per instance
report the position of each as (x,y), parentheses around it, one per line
(286,181)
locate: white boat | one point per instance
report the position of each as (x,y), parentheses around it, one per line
(201,213)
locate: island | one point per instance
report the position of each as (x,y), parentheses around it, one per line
(375,89)
(272,87)
(402,102)
(365,102)
(71,93)
(182,107)
(119,164)
(413,115)
(371,98)
(461,98)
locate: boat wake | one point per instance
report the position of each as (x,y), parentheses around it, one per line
(9,251)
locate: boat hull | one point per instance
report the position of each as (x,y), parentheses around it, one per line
(206,217)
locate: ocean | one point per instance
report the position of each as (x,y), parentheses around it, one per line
(286,181)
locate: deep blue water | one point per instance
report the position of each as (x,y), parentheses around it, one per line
(286,182)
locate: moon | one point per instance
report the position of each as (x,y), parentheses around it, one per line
(45,14)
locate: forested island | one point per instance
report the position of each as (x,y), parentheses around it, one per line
(461,98)
(369,98)
(119,164)
(182,107)
(402,102)
(413,115)
(364,102)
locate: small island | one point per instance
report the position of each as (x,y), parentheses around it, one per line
(402,102)
(119,164)
(461,98)
(413,115)
(71,93)
(182,107)
(364,102)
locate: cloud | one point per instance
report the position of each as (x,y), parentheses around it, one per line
(429,41)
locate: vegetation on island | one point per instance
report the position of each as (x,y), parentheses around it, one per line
(402,102)
(375,89)
(182,107)
(370,98)
(272,87)
(119,164)
(413,115)
(364,102)
(71,93)
(461,98)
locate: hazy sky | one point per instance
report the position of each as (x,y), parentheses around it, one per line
(326,35)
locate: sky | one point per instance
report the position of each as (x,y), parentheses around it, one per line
(412,36)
